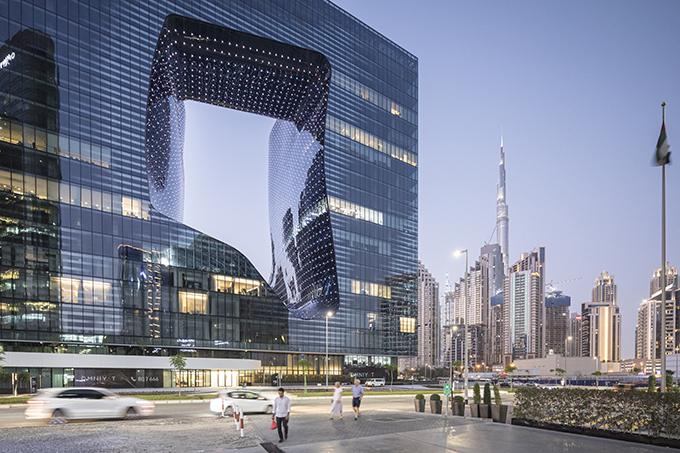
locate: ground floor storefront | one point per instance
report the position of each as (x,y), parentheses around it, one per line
(26,372)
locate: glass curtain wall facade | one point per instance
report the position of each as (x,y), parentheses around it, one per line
(88,264)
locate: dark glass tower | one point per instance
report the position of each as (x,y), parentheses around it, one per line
(92,258)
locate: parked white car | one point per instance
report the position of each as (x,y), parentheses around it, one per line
(243,399)
(59,405)
(375,382)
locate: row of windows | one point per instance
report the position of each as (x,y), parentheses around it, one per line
(361,242)
(47,189)
(354,210)
(370,140)
(374,97)
(41,140)
(370,289)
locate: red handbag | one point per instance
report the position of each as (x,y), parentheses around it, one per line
(273,424)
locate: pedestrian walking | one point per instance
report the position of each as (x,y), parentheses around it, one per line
(357,395)
(336,404)
(281,412)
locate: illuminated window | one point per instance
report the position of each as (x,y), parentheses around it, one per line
(370,289)
(396,109)
(41,140)
(407,325)
(7,279)
(68,288)
(373,97)
(135,208)
(354,210)
(72,194)
(371,320)
(371,141)
(235,285)
(96,292)
(194,303)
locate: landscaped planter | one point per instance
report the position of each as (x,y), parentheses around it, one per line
(499,413)
(436,407)
(458,409)
(484,411)
(474,410)
(420,405)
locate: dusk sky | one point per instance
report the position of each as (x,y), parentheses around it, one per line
(576,87)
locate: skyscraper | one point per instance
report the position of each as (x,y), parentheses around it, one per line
(477,308)
(493,256)
(523,303)
(604,289)
(502,219)
(495,331)
(557,306)
(648,329)
(575,332)
(649,332)
(448,323)
(671,280)
(601,322)
(95,258)
(429,323)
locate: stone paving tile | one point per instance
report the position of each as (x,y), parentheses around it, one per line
(495,437)
(396,431)
(388,443)
(158,435)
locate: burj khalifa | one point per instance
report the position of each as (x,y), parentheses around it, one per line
(502,219)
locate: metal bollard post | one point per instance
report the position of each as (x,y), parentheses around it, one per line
(242,434)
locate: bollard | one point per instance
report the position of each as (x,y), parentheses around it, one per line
(242,434)
(234,408)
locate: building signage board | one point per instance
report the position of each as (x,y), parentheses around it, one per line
(110,378)
(5,61)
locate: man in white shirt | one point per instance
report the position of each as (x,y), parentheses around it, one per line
(281,412)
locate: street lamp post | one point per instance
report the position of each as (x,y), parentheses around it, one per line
(328,315)
(465,305)
(453,329)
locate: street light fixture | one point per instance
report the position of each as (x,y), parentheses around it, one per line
(465,305)
(328,315)
(566,344)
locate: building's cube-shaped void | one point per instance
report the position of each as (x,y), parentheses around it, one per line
(198,61)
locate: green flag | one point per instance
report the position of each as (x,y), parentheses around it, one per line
(662,156)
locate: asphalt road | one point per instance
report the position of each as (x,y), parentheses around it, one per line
(14,416)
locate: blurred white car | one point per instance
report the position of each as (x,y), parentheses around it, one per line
(375,382)
(59,405)
(243,399)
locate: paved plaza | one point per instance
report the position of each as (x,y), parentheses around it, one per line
(399,431)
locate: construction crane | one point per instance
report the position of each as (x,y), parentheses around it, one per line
(552,284)
(492,233)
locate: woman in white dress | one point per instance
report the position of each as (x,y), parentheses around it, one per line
(336,405)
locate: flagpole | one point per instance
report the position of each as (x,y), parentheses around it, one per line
(663,264)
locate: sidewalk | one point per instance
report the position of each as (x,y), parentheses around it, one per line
(403,431)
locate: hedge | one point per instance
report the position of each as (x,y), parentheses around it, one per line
(634,412)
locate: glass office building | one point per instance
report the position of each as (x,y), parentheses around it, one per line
(94,258)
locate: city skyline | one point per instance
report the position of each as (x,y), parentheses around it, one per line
(576,90)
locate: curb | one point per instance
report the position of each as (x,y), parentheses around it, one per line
(366,395)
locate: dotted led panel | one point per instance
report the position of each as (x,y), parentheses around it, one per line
(198,61)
